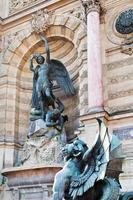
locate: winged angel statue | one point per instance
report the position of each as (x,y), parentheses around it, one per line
(84,175)
(47,71)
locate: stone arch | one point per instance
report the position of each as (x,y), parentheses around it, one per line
(65,25)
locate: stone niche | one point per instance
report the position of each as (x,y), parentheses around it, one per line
(63,50)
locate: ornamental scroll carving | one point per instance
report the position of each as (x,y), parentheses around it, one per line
(16,5)
(41,20)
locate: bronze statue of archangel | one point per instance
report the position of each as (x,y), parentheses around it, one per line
(47,70)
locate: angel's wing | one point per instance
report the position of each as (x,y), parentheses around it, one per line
(59,73)
(96,161)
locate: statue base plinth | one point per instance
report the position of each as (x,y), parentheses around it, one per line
(43,145)
(41,151)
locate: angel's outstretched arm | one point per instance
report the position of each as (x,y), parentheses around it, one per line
(31,65)
(47,48)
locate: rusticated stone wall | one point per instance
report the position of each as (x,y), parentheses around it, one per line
(118,84)
(118,93)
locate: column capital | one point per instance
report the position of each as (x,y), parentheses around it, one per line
(91,5)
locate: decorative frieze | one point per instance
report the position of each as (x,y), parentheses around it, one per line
(17,5)
(41,20)
(119,109)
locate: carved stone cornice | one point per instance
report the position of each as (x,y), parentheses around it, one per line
(91,5)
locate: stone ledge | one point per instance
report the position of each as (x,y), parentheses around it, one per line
(18,176)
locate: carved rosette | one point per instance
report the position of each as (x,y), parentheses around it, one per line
(91,5)
(41,20)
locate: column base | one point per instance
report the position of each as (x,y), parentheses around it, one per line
(94,110)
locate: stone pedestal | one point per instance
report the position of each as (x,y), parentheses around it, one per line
(26,183)
(40,160)
(41,151)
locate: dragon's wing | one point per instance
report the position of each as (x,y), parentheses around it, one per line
(59,73)
(96,161)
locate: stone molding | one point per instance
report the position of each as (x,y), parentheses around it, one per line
(119,109)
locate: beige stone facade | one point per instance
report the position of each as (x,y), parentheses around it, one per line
(66,30)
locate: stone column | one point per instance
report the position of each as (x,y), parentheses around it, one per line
(95,86)
(4,8)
